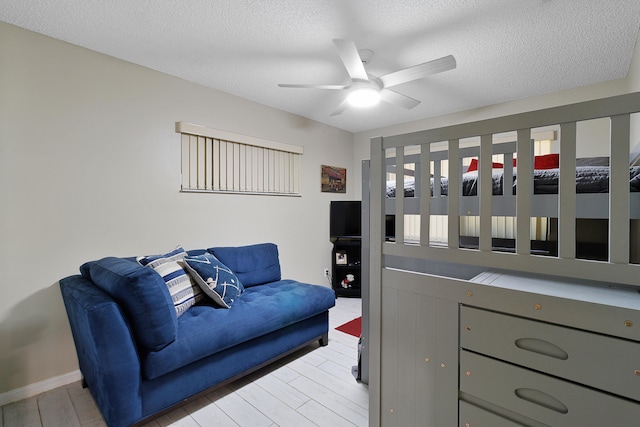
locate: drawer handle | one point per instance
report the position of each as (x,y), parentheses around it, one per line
(541,347)
(542,399)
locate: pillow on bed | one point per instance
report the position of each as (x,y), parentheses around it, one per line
(473,166)
(546,161)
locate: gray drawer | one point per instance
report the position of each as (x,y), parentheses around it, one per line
(546,399)
(473,416)
(608,363)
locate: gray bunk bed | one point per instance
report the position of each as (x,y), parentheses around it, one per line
(480,335)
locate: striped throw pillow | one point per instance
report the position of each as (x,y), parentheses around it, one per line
(183,290)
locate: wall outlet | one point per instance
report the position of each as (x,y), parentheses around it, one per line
(326,272)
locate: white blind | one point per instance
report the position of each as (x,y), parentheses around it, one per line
(218,161)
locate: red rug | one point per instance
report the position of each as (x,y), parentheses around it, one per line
(353,327)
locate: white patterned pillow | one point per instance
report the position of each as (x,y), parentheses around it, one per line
(183,290)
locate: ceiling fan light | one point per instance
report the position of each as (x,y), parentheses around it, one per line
(364,97)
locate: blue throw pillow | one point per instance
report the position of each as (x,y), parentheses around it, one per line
(216,279)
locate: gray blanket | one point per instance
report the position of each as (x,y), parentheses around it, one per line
(589,179)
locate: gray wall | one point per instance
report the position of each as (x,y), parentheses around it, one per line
(90,167)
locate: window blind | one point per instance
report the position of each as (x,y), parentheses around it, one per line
(218,161)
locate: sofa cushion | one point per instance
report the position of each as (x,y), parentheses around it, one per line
(214,278)
(205,330)
(183,289)
(253,264)
(143,296)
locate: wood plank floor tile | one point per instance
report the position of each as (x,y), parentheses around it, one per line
(86,409)
(275,409)
(206,413)
(242,412)
(332,399)
(343,373)
(285,374)
(56,409)
(283,391)
(347,348)
(177,418)
(330,354)
(323,416)
(347,389)
(22,413)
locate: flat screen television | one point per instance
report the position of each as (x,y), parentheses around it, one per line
(345,219)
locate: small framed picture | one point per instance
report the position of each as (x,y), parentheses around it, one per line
(341,258)
(333,179)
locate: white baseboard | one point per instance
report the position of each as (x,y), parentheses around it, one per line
(40,387)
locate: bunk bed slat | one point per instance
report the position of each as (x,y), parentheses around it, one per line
(619,190)
(437,173)
(400,195)
(508,169)
(486,192)
(524,191)
(454,194)
(425,194)
(567,192)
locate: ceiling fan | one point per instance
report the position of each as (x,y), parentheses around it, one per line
(367,90)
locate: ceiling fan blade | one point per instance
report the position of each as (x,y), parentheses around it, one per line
(351,59)
(340,109)
(303,86)
(416,72)
(398,99)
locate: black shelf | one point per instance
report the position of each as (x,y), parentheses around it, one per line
(346,266)
(345,231)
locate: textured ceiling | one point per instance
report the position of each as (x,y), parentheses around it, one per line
(505,49)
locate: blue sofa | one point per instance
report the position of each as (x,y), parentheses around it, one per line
(140,359)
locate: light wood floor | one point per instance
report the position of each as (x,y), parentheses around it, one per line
(314,386)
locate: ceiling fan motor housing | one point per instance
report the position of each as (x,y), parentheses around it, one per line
(364,93)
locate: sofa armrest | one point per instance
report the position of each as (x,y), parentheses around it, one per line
(106,350)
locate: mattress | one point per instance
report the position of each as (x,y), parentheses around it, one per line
(589,179)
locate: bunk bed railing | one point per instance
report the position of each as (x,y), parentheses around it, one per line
(614,205)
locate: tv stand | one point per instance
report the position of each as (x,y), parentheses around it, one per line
(346,266)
